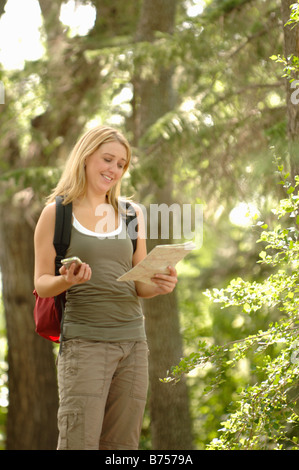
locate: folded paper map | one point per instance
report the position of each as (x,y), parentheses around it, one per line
(157,261)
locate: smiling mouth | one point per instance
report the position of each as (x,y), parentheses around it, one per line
(107,178)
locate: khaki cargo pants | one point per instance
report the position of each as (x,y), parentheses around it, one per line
(102,392)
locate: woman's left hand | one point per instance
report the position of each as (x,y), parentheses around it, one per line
(165,282)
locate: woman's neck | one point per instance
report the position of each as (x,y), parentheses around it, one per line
(92,201)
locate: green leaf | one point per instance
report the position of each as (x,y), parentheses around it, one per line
(246,307)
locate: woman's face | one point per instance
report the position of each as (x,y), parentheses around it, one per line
(105,167)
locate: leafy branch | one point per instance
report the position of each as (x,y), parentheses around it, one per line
(264,412)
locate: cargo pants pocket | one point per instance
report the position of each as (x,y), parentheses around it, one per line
(71,429)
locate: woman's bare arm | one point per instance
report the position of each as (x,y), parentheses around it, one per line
(45,281)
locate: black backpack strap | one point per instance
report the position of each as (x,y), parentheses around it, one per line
(62,237)
(129,216)
(62,234)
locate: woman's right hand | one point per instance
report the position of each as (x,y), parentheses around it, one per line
(74,276)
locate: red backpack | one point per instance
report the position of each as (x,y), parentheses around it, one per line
(48,312)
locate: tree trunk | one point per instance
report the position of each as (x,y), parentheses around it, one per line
(33,396)
(33,400)
(291,47)
(169,408)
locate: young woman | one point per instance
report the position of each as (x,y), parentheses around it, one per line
(102,369)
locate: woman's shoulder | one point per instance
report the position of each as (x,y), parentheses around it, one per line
(48,214)
(44,230)
(139,209)
(49,209)
(129,204)
(136,210)
(133,209)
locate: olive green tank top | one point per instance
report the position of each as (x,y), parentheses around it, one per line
(103,309)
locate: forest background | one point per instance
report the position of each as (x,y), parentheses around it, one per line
(203,90)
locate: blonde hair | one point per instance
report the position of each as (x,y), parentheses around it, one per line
(72,183)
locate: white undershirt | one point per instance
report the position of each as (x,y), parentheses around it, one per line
(84,230)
